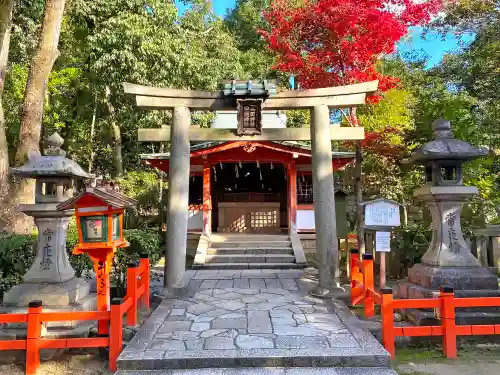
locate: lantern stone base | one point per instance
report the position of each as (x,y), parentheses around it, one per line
(424,281)
(71,295)
(51,294)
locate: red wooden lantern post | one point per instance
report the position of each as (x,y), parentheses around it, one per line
(99,219)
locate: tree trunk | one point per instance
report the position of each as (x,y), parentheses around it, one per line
(5,31)
(32,116)
(358,173)
(359,198)
(92,131)
(117,136)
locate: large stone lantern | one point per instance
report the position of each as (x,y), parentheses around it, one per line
(448,260)
(51,278)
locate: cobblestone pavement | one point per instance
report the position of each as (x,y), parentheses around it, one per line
(248,314)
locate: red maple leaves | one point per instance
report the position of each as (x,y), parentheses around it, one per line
(337,42)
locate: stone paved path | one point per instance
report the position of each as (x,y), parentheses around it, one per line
(249,318)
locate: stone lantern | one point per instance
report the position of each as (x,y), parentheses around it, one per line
(448,260)
(51,278)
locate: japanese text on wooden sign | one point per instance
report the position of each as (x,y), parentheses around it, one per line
(382,214)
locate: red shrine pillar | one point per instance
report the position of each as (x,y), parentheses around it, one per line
(207,201)
(292,198)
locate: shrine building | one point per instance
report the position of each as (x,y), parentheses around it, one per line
(251,187)
(260,187)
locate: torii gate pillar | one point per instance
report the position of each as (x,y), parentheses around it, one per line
(327,250)
(178,198)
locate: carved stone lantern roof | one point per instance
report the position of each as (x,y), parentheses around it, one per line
(53,164)
(445,147)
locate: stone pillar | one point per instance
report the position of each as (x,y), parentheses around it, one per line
(51,263)
(324,201)
(50,278)
(178,198)
(207,201)
(292,198)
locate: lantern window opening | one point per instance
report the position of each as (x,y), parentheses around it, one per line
(428,173)
(116,226)
(49,188)
(94,228)
(449,173)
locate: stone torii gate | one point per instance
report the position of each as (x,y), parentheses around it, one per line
(318,101)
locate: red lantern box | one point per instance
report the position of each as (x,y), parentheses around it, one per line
(99,219)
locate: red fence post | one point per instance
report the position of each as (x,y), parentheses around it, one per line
(145,280)
(388,321)
(448,322)
(354,255)
(33,334)
(368,283)
(132,274)
(116,333)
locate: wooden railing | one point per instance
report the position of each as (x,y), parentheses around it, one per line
(137,291)
(363,293)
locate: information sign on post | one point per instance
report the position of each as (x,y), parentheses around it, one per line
(383,242)
(382,215)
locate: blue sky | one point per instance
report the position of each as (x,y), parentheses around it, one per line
(433,46)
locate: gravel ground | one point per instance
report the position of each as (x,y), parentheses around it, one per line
(480,368)
(67,364)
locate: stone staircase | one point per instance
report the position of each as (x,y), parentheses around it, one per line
(248,251)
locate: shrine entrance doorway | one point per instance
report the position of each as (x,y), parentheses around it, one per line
(249,198)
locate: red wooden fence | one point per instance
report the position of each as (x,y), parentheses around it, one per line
(363,292)
(137,290)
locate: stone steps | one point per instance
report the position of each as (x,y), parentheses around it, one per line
(265,358)
(252,250)
(247,251)
(250,258)
(242,237)
(250,244)
(243,266)
(268,371)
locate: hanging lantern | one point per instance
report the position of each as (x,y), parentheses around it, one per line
(272,166)
(260,173)
(241,166)
(221,166)
(258,164)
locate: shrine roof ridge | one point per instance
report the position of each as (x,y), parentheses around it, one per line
(208,145)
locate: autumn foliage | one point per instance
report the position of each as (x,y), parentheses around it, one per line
(337,42)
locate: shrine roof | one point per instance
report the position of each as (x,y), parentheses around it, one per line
(286,147)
